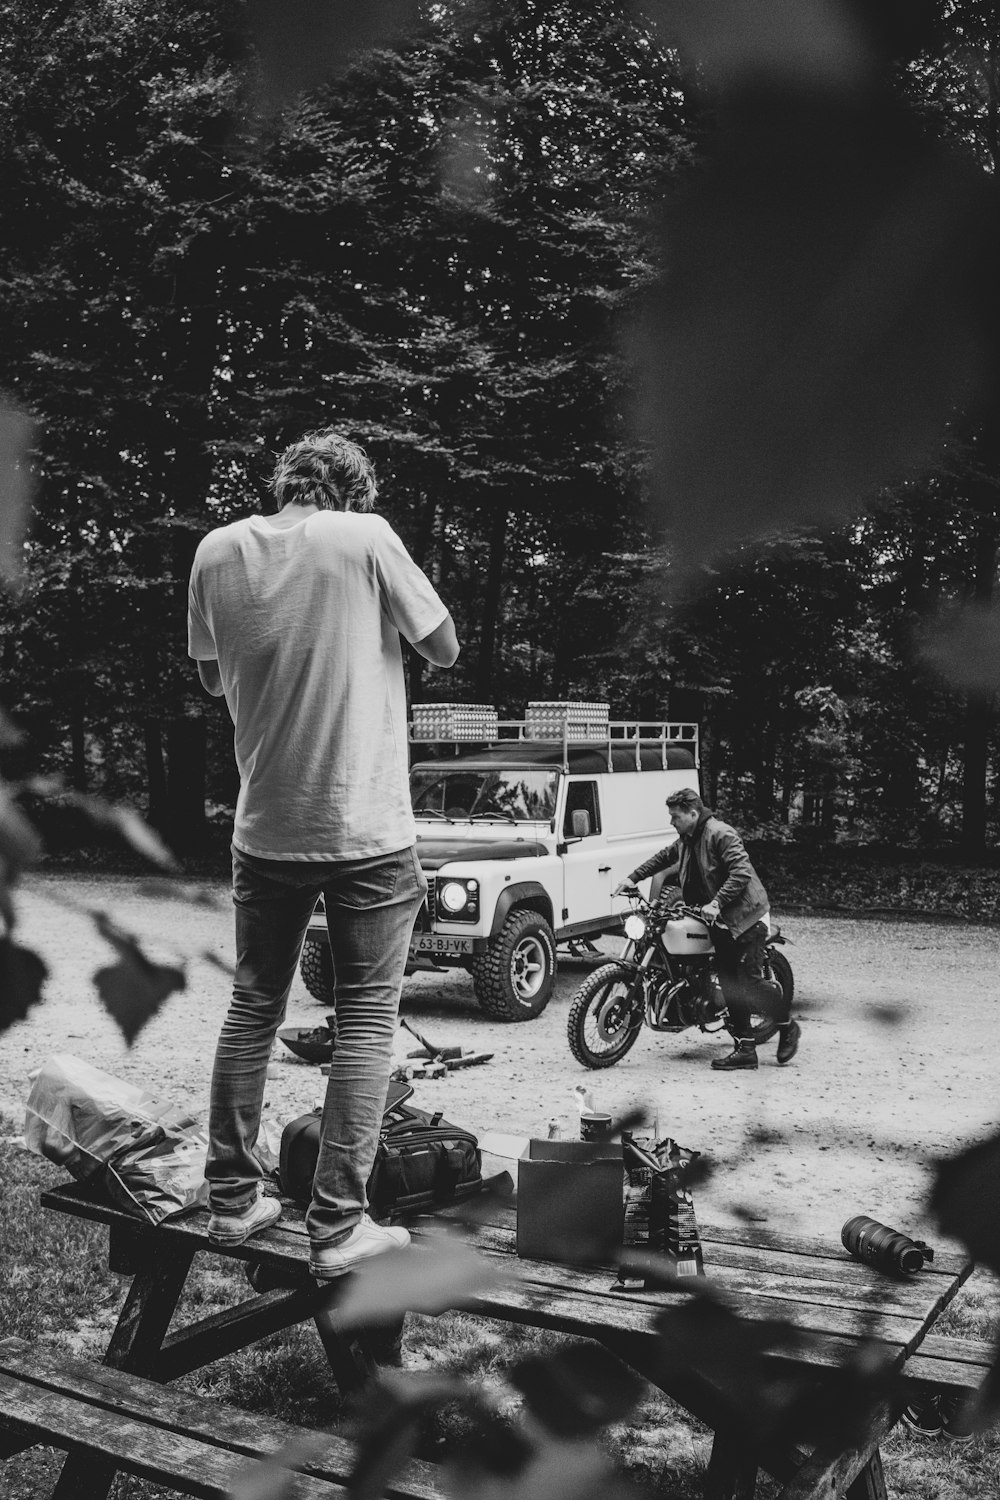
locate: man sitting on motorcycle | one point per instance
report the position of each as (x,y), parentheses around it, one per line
(711,865)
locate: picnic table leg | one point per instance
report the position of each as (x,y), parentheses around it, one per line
(732,1471)
(349,1359)
(870,1483)
(140,1330)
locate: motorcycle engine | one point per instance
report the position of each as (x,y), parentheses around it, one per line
(673,1006)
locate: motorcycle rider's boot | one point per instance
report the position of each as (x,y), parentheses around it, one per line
(788,1041)
(743,1055)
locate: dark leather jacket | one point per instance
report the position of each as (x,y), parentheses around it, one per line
(725,869)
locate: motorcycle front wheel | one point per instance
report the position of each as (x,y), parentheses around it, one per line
(602,1025)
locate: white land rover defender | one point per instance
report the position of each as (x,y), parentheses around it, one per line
(522,836)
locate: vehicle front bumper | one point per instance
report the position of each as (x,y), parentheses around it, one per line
(425,944)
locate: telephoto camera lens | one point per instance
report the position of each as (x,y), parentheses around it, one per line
(877,1245)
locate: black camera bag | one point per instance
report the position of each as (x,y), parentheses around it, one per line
(422,1160)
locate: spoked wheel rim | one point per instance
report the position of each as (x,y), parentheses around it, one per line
(608,1019)
(528,967)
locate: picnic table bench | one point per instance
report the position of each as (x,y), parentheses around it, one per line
(814,1286)
(108,1419)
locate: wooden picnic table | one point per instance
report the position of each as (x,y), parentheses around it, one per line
(838,1305)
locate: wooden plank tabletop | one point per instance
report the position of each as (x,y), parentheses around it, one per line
(814,1285)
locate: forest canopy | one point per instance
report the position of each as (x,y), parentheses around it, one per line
(515,249)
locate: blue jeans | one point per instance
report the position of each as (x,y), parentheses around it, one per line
(371,905)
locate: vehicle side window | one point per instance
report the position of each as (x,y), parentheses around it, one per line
(581,796)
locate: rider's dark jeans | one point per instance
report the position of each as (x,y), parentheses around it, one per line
(370,908)
(741,973)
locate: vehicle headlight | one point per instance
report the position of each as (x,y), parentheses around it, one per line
(635,927)
(459,899)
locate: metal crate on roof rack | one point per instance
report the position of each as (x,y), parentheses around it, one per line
(566,720)
(453,721)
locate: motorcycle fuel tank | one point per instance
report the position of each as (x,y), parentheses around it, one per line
(686,936)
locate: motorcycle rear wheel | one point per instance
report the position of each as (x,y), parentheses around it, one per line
(778,968)
(600,1026)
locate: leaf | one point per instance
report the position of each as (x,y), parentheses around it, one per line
(273,1478)
(16,431)
(134,989)
(22,974)
(964,648)
(20,842)
(302,43)
(425,1279)
(392,1426)
(965,1200)
(10,735)
(554,1471)
(811,41)
(126,825)
(825,309)
(573,1391)
(192,895)
(702,1338)
(208,957)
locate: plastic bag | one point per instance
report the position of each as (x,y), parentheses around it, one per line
(152,1153)
(163,1179)
(80,1117)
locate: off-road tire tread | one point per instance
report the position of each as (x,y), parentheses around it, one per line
(316,968)
(491,970)
(577,1012)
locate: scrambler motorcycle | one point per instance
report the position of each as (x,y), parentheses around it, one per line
(666,979)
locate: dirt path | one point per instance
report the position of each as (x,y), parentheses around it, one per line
(851,1126)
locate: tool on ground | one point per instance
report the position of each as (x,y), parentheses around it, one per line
(438,1054)
(430,1061)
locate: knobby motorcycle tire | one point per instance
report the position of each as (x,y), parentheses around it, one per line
(586,1003)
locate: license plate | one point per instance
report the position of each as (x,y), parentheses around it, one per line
(429,943)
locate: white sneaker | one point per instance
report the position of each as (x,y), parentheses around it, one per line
(365,1240)
(232,1229)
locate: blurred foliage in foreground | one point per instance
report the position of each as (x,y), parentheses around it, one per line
(576,409)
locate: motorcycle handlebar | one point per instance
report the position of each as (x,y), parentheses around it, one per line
(669,913)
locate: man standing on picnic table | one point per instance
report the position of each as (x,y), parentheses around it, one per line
(295,618)
(714,872)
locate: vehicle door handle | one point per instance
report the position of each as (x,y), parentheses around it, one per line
(603,869)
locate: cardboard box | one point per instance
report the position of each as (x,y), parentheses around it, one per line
(571,1201)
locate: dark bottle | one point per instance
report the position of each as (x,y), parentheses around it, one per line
(885,1249)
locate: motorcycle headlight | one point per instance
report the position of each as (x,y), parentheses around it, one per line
(459,899)
(635,927)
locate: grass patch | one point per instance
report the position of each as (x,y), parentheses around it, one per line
(55,1288)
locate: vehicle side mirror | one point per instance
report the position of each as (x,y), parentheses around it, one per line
(581,823)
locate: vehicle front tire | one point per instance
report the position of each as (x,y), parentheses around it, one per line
(316,968)
(513,979)
(601,1026)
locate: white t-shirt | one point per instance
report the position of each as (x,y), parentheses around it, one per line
(305,624)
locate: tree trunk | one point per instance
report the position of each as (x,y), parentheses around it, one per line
(979,703)
(78,747)
(186,755)
(975,761)
(156,775)
(491,604)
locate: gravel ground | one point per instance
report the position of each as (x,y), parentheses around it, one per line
(897,1064)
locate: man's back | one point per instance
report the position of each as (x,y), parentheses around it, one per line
(304,620)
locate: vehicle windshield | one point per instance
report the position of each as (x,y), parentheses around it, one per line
(511,796)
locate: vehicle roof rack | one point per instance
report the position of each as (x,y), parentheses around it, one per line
(632,735)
